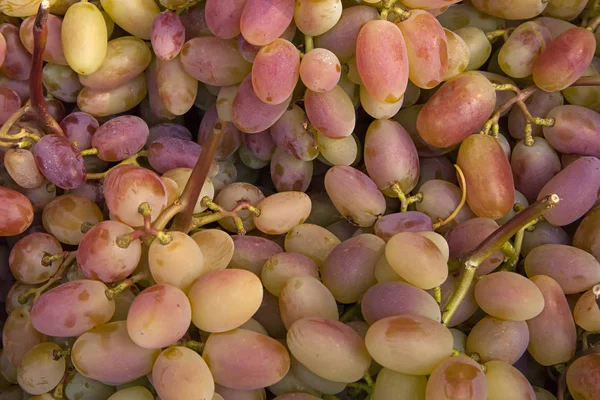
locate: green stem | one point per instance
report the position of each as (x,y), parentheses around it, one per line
(308,43)
(128,161)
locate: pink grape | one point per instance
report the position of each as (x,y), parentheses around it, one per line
(291,135)
(288,173)
(263,21)
(194,20)
(533,166)
(251,252)
(223,17)
(54,50)
(17,62)
(582,377)
(10,102)
(60,161)
(331,113)
(320,70)
(168,129)
(167,35)
(496,339)
(457,377)
(79,127)
(410,221)
(260,144)
(120,138)
(176,88)
(25,259)
(16,212)
(167,153)
(575,130)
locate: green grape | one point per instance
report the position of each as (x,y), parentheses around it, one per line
(282,266)
(21,8)
(479,46)
(134,16)
(343,151)
(312,241)
(102,103)
(217,248)
(314,381)
(304,297)
(511,9)
(83,388)
(505,382)
(392,385)
(39,370)
(132,393)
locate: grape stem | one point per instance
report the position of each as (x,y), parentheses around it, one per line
(13,119)
(48,258)
(69,259)
(405,201)
(308,43)
(38,102)
(125,284)
(58,354)
(217,213)
(504,33)
(192,345)
(587,81)
(128,161)
(463,199)
(437,294)
(89,152)
(471,260)
(593,23)
(183,208)
(145,210)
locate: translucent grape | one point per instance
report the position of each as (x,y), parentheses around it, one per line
(496,339)
(315,18)
(25,258)
(84,38)
(331,113)
(101,103)
(128,186)
(223,17)
(19,336)
(132,393)
(181,373)
(553,336)
(60,161)
(582,377)
(63,217)
(574,130)
(306,297)
(518,54)
(410,344)
(506,382)
(79,127)
(457,377)
(21,166)
(87,389)
(260,361)
(320,345)
(110,344)
(39,371)
(167,35)
(312,241)
(288,173)
(282,266)
(235,394)
(342,151)
(563,59)
(72,309)
(280,212)
(290,135)
(577,186)
(177,89)
(263,21)
(410,221)
(479,46)
(135,16)
(168,153)
(509,296)
(313,380)
(126,58)
(17,62)
(511,9)
(320,70)
(178,263)
(217,248)
(377,109)
(120,138)
(383,70)
(54,51)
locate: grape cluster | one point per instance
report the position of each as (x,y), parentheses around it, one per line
(300,199)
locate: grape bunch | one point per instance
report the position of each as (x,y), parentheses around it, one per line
(300,199)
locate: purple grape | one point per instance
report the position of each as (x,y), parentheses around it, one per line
(533,166)
(79,127)
(231,139)
(289,173)
(168,129)
(60,161)
(410,221)
(120,138)
(291,135)
(167,36)
(260,144)
(166,153)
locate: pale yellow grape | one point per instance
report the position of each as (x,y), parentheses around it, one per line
(224,300)
(225,102)
(83,388)
(303,297)
(458,54)
(102,103)
(505,382)
(254,326)
(342,151)
(329,348)
(289,384)
(172,189)
(439,241)
(392,385)
(176,88)
(281,212)
(180,373)
(39,372)
(181,177)
(378,109)
(216,246)
(132,393)
(543,394)
(134,16)
(410,344)
(460,340)
(19,336)
(314,381)
(236,394)
(384,272)
(63,216)
(84,38)
(228,198)
(586,312)
(178,263)
(479,46)
(282,266)
(312,241)
(21,8)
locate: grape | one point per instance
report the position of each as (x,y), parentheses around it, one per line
(389,299)
(79,127)
(177,89)
(348,269)
(391,385)
(377,109)
(87,389)
(342,151)
(478,45)
(518,54)
(543,233)
(320,70)
(574,130)
(511,9)
(132,393)
(17,62)
(458,55)
(168,130)
(341,38)
(246,49)
(364,204)
(21,166)
(9,371)
(214,61)
(246,360)
(25,258)
(440,199)
(260,145)
(410,221)
(410,344)
(262,21)
(587,234)
(468,235)
(223,17)
(312,241)
(315,18)
(573,269)
(306,297)
(228,198)
(280,267)
(313,380)
(321,345)
(490,187)
(235,394)
(102,103)
(21,8)
(159,316)
(539,105)
(10,103)
(110,345)
(194,20)
(167,35)
(289,385)
(416,259)
(54,51)
(181,176)
(39,371)
(586,312)
(120,138)
(84,38)
(178,263)
(167,153)
(181,373)
(444,121)
(331,113)
(231,139)
(118,69)
(72,309)
(217,248)
(288,173)
(383,69)
(126,187)
(250,114)
(64,215)
(543,394)
(577,186)
(135,17)
(533,166)
(552,333)
(280,212)
(509,296)
(60,161)
(496,339)
(582,377)
(19,336)
(562,63)
(506,382)
(457,377)
(250,252)
(224,102)
(16,212)
(391,157)
(290,135)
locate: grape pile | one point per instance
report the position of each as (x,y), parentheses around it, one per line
(300,199)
